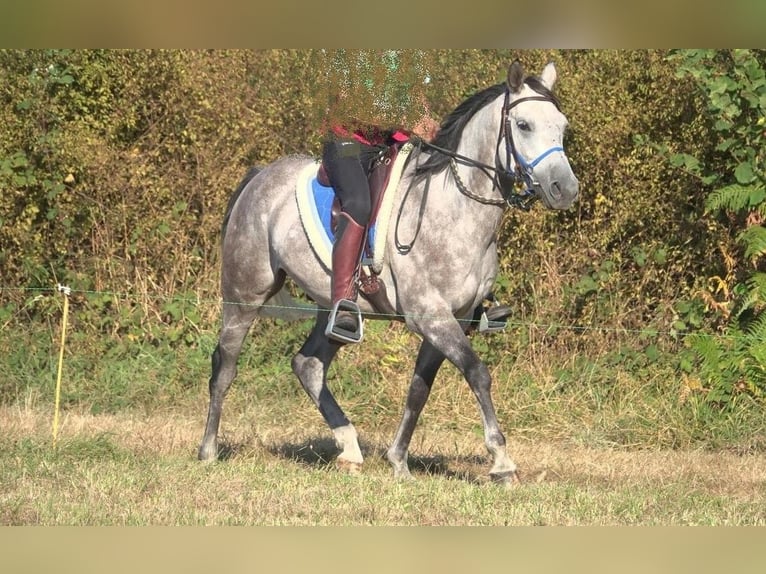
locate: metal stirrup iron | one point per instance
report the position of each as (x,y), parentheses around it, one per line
(337,332)
(494,318)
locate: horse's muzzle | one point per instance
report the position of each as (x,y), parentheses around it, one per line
(560,193)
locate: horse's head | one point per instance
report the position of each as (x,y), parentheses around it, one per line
(534,134)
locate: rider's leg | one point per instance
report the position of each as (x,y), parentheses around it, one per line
(341,159)
(346,253)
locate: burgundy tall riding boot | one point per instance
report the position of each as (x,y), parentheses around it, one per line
(346,254)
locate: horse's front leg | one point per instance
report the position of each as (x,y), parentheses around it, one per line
(448,337)
(426,366)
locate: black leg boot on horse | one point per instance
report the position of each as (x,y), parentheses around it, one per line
(345,324)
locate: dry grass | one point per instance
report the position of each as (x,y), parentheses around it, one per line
(140,469)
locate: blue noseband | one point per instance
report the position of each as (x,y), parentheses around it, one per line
(539,158)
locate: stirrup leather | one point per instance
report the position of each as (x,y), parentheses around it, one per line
(340,334)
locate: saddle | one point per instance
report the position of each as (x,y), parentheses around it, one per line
(378,177)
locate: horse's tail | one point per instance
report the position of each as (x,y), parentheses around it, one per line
(251,173)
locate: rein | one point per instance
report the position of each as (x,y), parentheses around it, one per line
(502,177)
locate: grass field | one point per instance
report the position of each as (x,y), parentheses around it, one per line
(596,444)
(138,469)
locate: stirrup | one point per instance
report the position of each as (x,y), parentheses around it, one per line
(337,333)
(493,318)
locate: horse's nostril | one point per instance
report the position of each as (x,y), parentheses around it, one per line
(556,190)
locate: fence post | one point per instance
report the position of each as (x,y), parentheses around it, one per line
(64,320)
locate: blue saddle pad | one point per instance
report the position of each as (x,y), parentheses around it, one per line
(323,197)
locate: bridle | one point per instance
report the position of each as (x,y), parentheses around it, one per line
(503,178)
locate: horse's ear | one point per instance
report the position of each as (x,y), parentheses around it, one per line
(515,77)
(549,75)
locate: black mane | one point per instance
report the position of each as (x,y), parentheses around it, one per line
(451,129)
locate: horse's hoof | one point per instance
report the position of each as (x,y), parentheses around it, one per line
(509,479)
(403,476)
(207,454)
(349,467)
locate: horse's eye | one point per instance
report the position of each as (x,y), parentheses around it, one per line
(523,126)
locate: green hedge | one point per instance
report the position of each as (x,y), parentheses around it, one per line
(115,169)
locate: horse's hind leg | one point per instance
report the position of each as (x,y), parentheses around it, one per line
(237,320)
(310,365)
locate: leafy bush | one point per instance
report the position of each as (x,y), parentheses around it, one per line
(116,167)
(734,85)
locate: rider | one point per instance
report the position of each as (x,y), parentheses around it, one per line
(347,155)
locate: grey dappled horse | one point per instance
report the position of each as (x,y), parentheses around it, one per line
(454,196)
